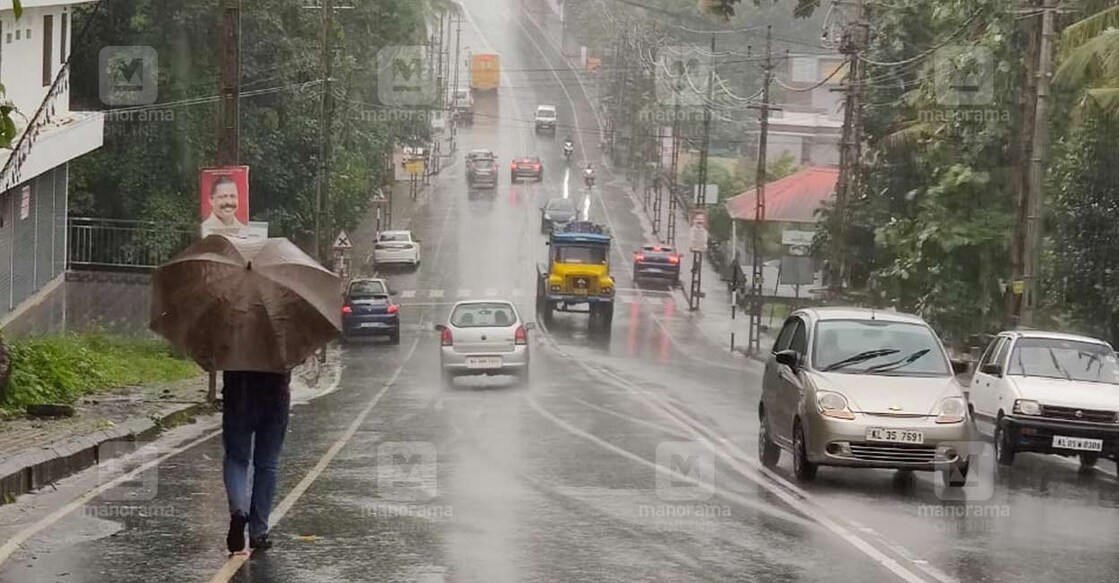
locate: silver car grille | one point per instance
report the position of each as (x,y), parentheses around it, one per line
(879,452)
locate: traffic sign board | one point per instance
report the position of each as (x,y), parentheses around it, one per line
(343,241)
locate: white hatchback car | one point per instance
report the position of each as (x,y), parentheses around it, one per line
(484,337)
(1048,392)
(396,247)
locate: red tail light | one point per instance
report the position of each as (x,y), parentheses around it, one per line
(535,166)
(674,259)
(347,309)
(638,257)
(445,337)
(521,335)
(393,308)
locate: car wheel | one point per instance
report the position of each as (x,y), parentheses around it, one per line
(1004,448)
(955,475)
(803,469)
(768,452)
(1088,460)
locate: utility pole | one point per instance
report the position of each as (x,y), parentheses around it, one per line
(855,39)
(457,67)
(1039,152)
(229,125)
(701,190)
(756,289)
(441,79)
(326,134)
(670,237)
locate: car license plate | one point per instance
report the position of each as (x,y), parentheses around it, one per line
(1077,443)
(894,435)
(483,362)
(367,325)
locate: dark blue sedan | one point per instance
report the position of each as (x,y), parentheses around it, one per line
(368,310)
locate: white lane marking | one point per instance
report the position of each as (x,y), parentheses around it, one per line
(408,294)
(566,179)
(230,568)
(12,544)
(743,501)
(464,293)
(436,293)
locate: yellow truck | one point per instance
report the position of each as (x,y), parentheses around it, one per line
(576,276)
(485,72)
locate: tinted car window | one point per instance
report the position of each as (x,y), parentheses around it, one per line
(786,335)
(395,237)
(1064,359)
(586,255)
(800,338)
(483,315)
(367,288)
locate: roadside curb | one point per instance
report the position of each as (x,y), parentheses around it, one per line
(35,468)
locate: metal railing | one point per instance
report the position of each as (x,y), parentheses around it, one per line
(116,244)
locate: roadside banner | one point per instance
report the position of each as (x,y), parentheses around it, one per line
(223,200)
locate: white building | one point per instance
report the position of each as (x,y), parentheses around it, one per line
(34,176)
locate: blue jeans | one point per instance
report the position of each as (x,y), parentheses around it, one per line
(254,421)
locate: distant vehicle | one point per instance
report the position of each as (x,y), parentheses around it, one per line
(368,310)
(484,337)
(545,120)
(568,149)
(557,213)
(464,105)
(656,262)
(577,274)
(485,72)
(588,176)
(481,169)
(865,389)
(526,167)
(396,247)
(1048,392)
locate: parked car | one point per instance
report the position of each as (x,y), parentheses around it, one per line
(545,119)
(396,247)
(1048,392)
(368,310)
(484,337)
(526,167)
(557,213)
(463,102)
(862,388)
(656,262)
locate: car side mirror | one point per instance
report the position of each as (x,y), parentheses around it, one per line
(440,327)
(789,358)
(394,292)
(992,369)
(960,367)
(530,325)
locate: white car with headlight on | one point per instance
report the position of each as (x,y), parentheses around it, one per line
(1048,392)
(863,388)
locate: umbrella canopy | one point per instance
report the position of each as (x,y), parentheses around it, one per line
(242,304)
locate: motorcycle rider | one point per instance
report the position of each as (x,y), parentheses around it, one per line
(568,147)
(588,175)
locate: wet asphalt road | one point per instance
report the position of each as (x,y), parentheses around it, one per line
(393,477)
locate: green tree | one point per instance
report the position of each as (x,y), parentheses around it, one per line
(7,124)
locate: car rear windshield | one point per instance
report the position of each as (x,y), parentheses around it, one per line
(878,347)
(585,255)
(1073,360)
(395,237)
(367,288)
(546,113)
(488,315)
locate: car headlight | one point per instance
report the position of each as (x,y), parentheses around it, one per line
(832,404)
(952,410)
(556,288)
(607,290)
(1027,407)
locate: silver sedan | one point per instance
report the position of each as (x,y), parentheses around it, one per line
(484,337)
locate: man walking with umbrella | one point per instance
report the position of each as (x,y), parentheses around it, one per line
(254,309)
(254,420)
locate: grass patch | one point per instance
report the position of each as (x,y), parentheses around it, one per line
(60,369)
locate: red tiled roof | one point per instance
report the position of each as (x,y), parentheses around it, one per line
(793,199)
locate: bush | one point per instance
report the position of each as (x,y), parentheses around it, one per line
(60,369)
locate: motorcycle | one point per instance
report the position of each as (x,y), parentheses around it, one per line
(568,150)
(588,177)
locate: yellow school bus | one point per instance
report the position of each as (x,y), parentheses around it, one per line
(485,72)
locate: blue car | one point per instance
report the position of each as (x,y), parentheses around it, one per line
(368,310)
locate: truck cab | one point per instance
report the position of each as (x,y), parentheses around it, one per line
(576,276)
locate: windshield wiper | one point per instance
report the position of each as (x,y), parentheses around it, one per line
(1057,364)
(887,366)
(860,357)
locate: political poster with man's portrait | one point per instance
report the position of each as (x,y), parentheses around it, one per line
(224,200)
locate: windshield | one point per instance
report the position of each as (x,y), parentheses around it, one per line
(367,288)
(395,237)
(1064,359)
(581,254)
(487,315)
(546,113)
(878,347)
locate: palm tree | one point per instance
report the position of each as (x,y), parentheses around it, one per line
(1089,57)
